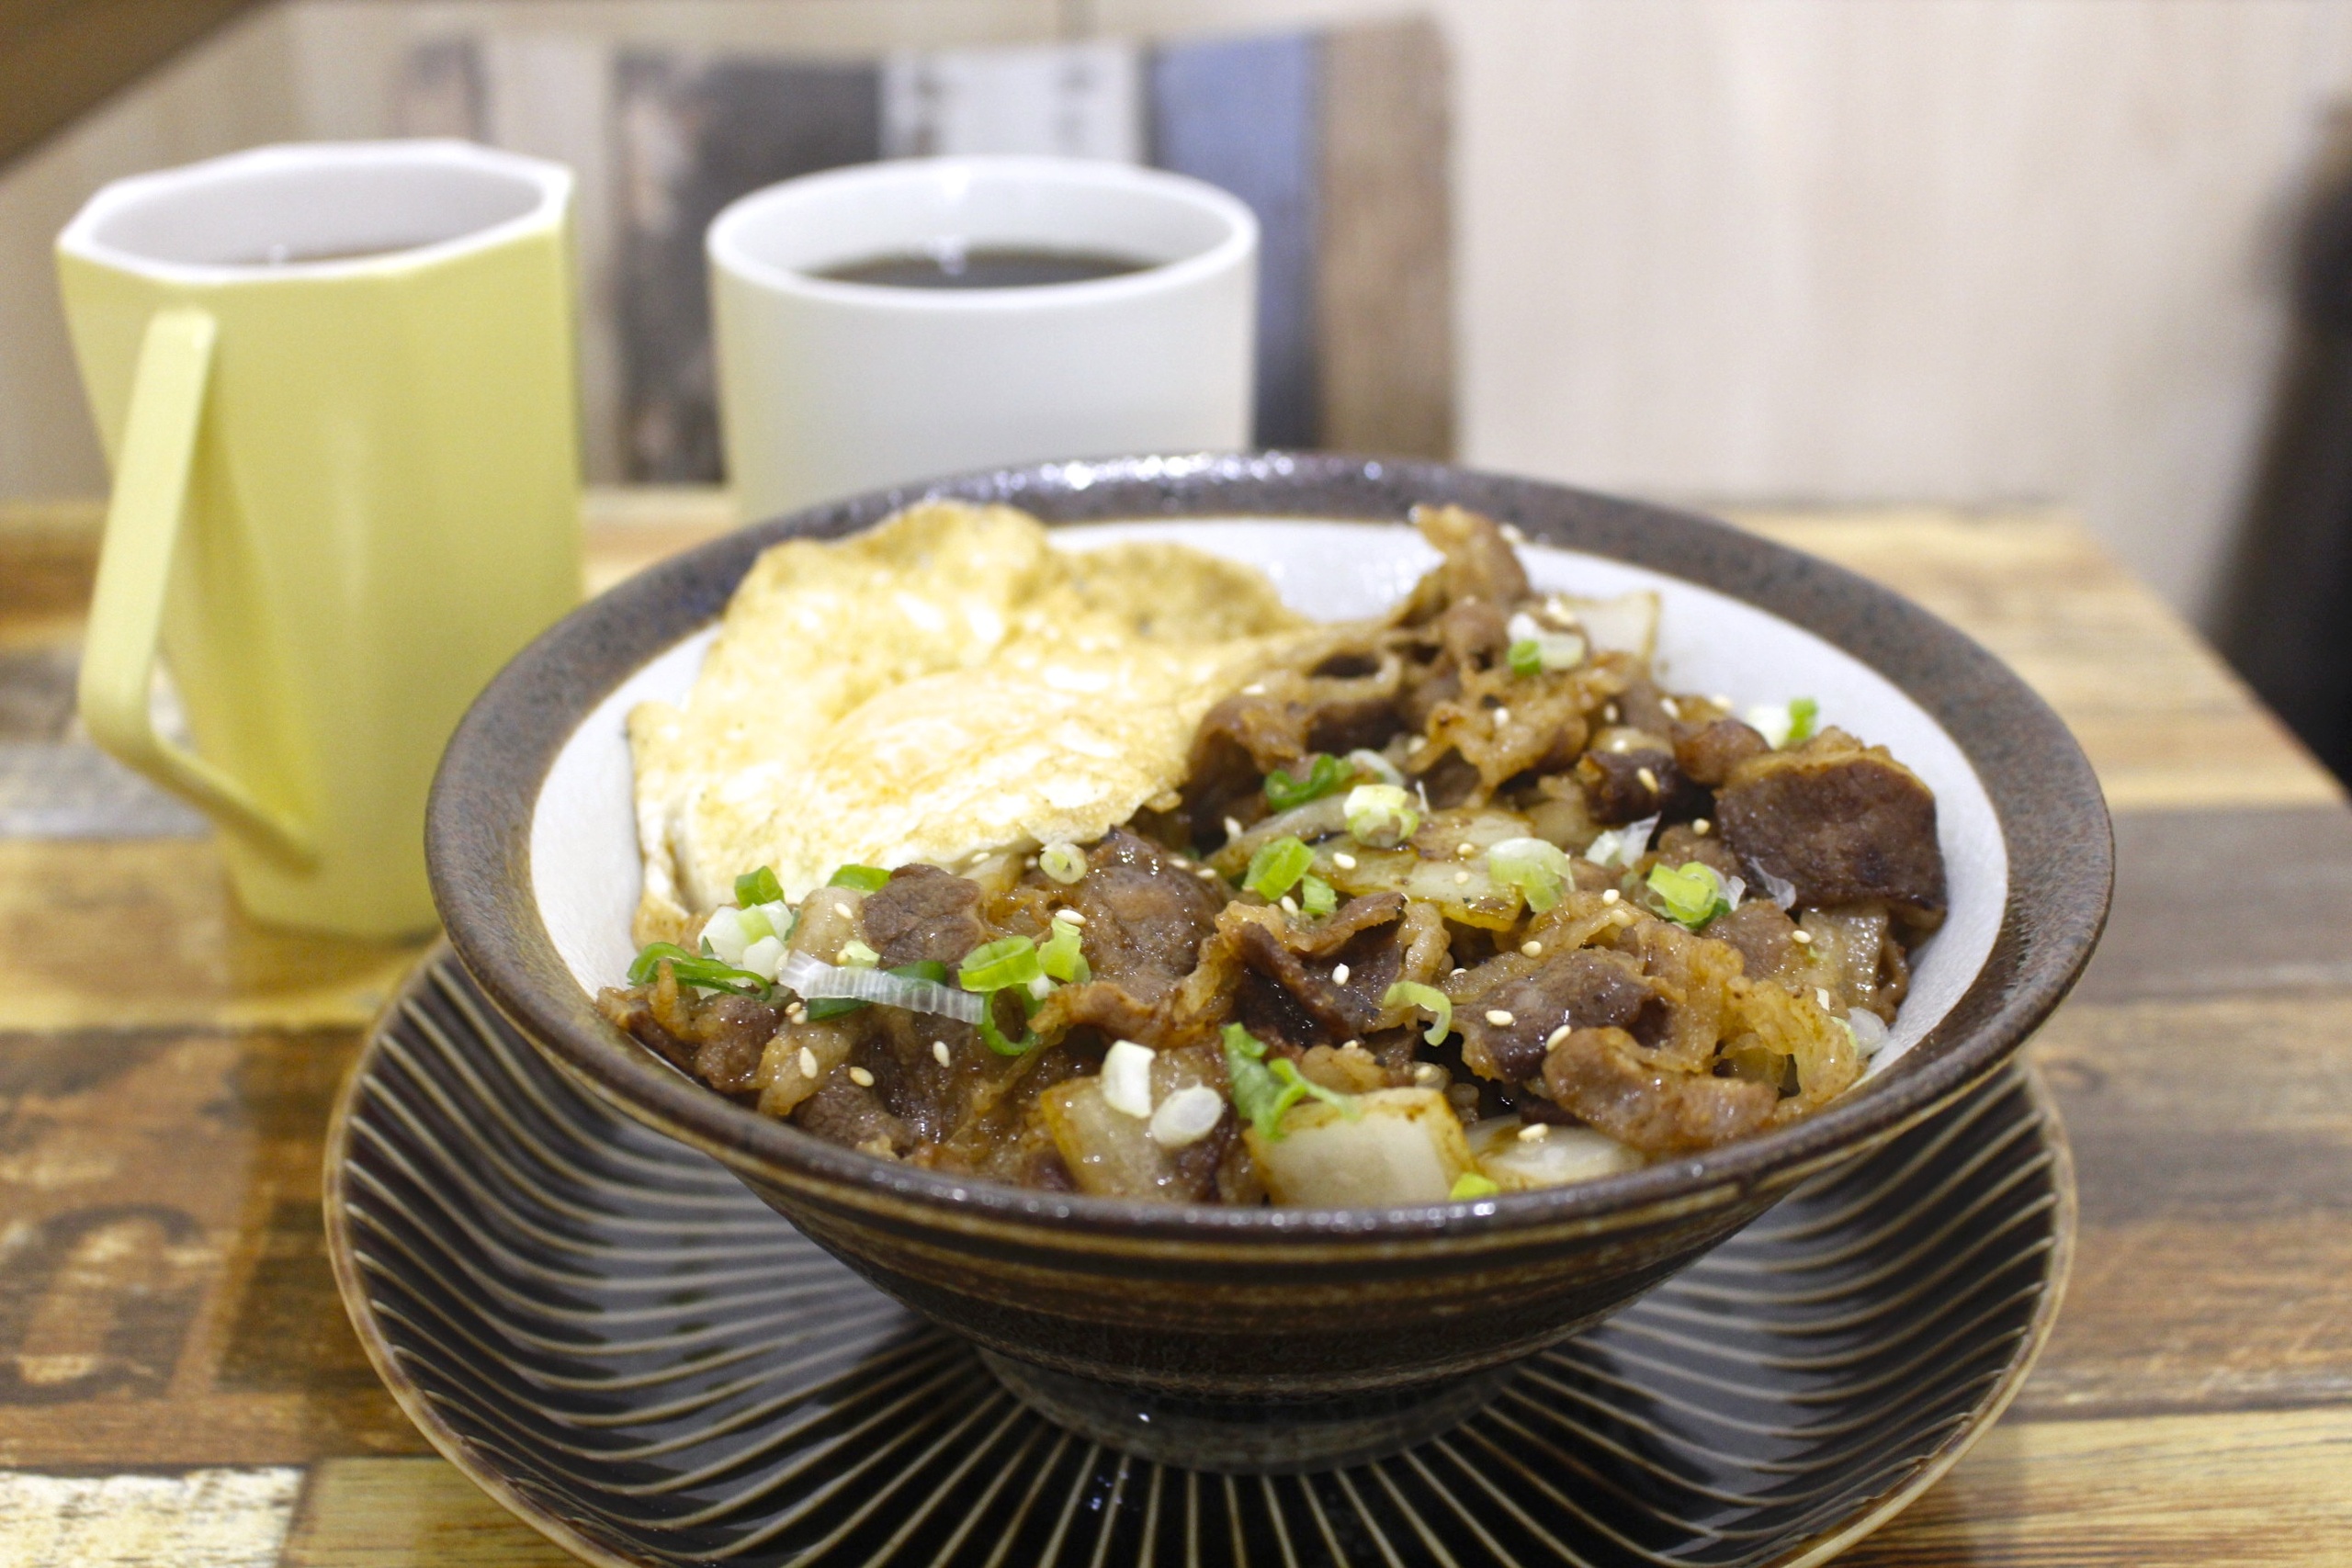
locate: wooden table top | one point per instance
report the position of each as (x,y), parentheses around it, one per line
(178,1383)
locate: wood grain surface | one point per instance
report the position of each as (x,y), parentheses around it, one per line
(178,1385)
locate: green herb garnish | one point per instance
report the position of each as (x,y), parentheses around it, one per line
(995,966)
(1382,816)
(756,887)
(1526,657)
(994,1038)
(1315,896)
(1326,775)
(1429,999)
(1538,868)
(1264,1091)
(1470,1184)
(1276,869)
(1060,957)
(1803,714)
(1691,896)
(709,973)
(864,878)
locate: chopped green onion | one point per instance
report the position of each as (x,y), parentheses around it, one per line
(1692,896)
(1382,816)
(855,955)
(1062,862)
(995,1038)
(1536,647)
(1429,999)
(1061,958)
(694,969)
(997,966)
(1374,766)
(864,878)
(1536,868)
(1264,1092)
(1276,869)
(1783,725)
(1470,1184)
(1315,896)
(758,887)
(1325,776)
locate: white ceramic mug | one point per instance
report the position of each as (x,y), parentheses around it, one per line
(829,388)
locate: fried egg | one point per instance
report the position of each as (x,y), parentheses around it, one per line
(945,684)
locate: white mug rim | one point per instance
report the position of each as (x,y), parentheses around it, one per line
(728,254)
(82,239)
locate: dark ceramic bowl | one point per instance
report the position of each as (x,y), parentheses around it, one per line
(1274,1337)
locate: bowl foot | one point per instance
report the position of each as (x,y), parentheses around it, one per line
(1272,1438)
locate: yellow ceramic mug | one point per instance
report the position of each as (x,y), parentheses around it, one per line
(336,384)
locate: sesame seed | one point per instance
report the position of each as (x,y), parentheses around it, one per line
(1534,1133)
(1428,1075)
(1512,531)
(1649,779)
(1031,863)
(1498,1018)
(1673,709)
(1206,873)
(1461,879)
(1352,1045)
(1344,862)
(1610,713)
(1557,1035)
(1610,896)
(1801,935)
(1072,916)
(808,1062)
(1699,825)
(1532,948)
(939,1054)
(1821,995)
(861,1078)
(1290,905)
(796,1013)
(1502,715)
(1232,827)
(1339,974)
(1254,689)
(1457,973)
(1465,851)
(1720,700)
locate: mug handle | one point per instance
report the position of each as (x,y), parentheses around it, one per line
(144,520)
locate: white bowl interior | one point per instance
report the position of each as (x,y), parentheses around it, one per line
(585,873)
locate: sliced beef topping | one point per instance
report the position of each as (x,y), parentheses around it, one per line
(1766,939)
(1479,561)
(922,914)
(1641,781)
(718,1039)
(843,1112)
(1286,716)
(1508,1008)
(1321,982)
(1708,753)
(1843,823)
(1608,1080)
(1144,917)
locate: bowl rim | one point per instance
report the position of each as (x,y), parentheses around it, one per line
(2047,799)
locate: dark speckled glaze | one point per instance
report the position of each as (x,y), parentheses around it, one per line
(1240,1319)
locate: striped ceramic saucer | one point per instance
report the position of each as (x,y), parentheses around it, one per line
(625,1346)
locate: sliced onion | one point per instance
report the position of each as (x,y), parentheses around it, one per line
(1868,1029)
(1622,846)
(815,980)
(1783,891)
